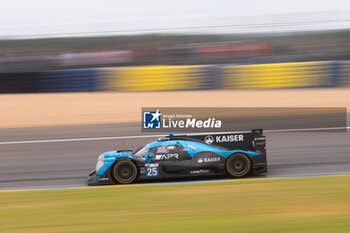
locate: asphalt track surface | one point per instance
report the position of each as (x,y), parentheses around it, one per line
(58,164)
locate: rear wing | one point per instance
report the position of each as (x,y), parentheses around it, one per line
(253,140)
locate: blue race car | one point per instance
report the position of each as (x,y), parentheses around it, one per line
(236,155)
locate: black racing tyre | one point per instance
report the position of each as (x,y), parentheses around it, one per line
(238,165)
(124,172)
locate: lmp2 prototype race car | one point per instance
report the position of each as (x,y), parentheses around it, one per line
(233,154)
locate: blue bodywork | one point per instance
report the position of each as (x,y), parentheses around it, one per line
(110,158)
(192,147)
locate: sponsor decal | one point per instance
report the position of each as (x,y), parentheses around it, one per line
(209,160)
(199,171)
(230,138)
(152,165)
(224,138)
(103,179)
(152,119)
(167,156)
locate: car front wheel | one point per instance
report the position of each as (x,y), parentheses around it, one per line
(124,172)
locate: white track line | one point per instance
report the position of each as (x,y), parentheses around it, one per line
(162,135)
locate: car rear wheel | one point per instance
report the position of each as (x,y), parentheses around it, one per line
(238,165)
(124,172)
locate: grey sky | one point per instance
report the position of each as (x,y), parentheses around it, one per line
(59,16)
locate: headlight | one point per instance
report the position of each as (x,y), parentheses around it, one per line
(99,164)
(100,157)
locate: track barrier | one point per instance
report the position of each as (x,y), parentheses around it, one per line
(177,77)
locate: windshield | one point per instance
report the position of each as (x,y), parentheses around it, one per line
(141,152)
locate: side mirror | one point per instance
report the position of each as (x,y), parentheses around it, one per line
(149,157)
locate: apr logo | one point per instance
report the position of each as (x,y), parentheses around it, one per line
(209,139)
(151,120)
(167,156)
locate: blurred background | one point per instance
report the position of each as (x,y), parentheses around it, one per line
(92,66)
(189,45)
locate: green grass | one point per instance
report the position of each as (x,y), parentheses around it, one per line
(318,204)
